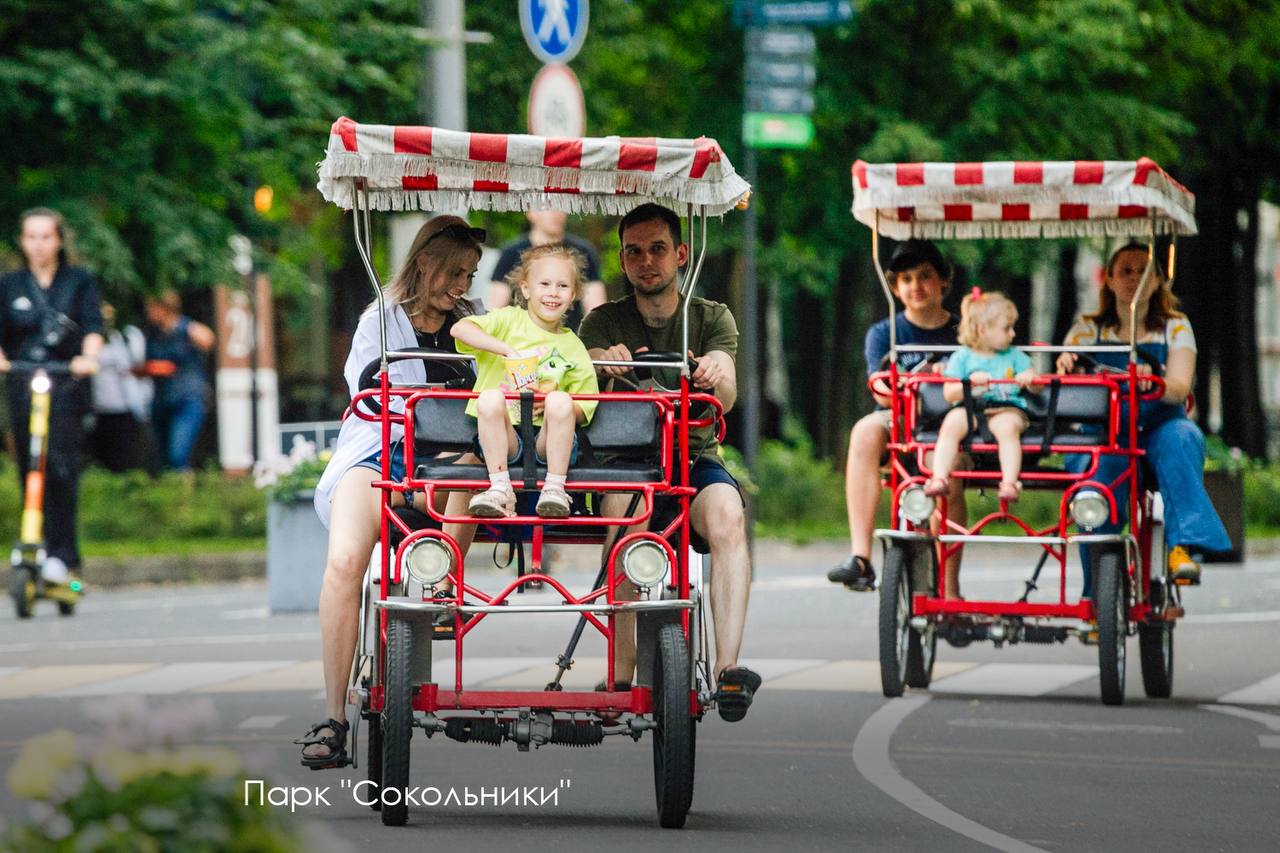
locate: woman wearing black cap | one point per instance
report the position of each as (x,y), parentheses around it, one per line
(423,301)
(50,312)
(920,278)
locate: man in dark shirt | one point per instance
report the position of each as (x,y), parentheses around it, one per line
(649,320)
(920,277)
(547,226)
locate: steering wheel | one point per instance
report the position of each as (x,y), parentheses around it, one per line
(1095,366)
(645,373)
(451,373)
(929,359)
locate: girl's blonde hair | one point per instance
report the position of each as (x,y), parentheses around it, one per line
(443,243)
(520,272)
(979,309)
(1160,308)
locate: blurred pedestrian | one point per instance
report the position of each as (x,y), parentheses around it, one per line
(50,313)
(545,227)
(121,398)
(181,395)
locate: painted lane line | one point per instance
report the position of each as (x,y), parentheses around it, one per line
(1231,618)
(871,758)
(173,678)
(9,670)
(1264,692)
(1014,679)
(162,642)
(1074,728)
(1271,721)
(263,721)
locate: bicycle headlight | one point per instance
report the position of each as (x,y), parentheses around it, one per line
(915,505)
(645,563)
(1089,509)
(428,561)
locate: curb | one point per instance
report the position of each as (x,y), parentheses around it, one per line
(103,572)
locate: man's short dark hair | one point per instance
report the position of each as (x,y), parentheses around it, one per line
(650,212)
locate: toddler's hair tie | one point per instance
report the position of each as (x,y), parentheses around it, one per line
(976,293)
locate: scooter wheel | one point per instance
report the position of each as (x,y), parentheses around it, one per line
(22,589)
(65,608)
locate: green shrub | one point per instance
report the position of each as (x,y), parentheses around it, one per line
(135,507)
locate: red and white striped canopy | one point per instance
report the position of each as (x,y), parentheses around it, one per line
(428,168)
(1068,198)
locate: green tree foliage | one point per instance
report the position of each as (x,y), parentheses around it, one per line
(151,122)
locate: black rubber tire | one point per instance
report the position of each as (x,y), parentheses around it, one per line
(22,590)
(1155,647)
(895,622)
(921,651)
(397,720)
(673,737)
(373,757)
(1112,606)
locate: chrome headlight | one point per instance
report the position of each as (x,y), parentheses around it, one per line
(428,561)
(645,563)
(1089,509)
(915,505)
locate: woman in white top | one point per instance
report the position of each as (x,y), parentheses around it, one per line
(422,302)
(1173,442)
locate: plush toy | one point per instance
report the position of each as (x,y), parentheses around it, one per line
(551,371)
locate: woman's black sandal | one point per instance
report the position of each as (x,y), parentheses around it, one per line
(336,743)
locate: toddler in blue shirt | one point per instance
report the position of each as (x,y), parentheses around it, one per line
(986,354)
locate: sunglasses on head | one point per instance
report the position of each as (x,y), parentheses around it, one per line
(459,231)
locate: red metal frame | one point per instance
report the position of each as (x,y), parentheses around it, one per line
(1123,388)
(672,409)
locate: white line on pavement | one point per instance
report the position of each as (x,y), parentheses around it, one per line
(871,757)
(264,721)
(154,642)
(1056,726)
(173,678)
(1264,692)
(1231,618)
(1271,721)
(1014,679)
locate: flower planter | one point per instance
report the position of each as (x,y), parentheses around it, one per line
(297,545)
(1226,491)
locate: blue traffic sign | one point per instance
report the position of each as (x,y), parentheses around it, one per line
(554,29)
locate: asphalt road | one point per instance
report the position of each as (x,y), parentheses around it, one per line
(1010,749)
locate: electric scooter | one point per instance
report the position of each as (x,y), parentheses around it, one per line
(26,581)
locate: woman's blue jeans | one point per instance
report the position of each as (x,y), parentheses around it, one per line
(1175,450)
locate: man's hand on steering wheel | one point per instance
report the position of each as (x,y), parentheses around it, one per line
(707,373)
(617,352)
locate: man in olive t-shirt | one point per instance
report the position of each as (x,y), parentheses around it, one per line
(650,320)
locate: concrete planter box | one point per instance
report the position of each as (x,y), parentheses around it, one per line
(1226,491)
(297,545)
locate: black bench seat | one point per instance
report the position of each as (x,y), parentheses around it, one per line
(620,445)
(1079,406)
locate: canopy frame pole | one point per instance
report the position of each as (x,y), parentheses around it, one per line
(693,270)
(1142,285)
(364,246)
(884,284)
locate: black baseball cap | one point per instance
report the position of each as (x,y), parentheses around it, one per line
(913,253)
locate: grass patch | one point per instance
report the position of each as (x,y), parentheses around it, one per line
(171,547)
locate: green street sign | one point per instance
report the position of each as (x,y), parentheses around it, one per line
(777,130)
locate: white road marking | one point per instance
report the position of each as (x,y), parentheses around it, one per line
(249,613)
(1264,692)
(1056,726)
(871,757)
(9,670)
(1231,618)
(1271,721)
(264,721)
(161,642)
(173,678)
(1014,679)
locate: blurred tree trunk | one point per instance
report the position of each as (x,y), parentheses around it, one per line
(1068,299)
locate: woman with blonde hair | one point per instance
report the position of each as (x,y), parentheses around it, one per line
(421,305)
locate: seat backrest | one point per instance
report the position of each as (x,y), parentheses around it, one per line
(619,428)
(623,428)
(1077,404)
(442,425)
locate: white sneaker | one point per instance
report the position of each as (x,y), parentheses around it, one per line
(54,570)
